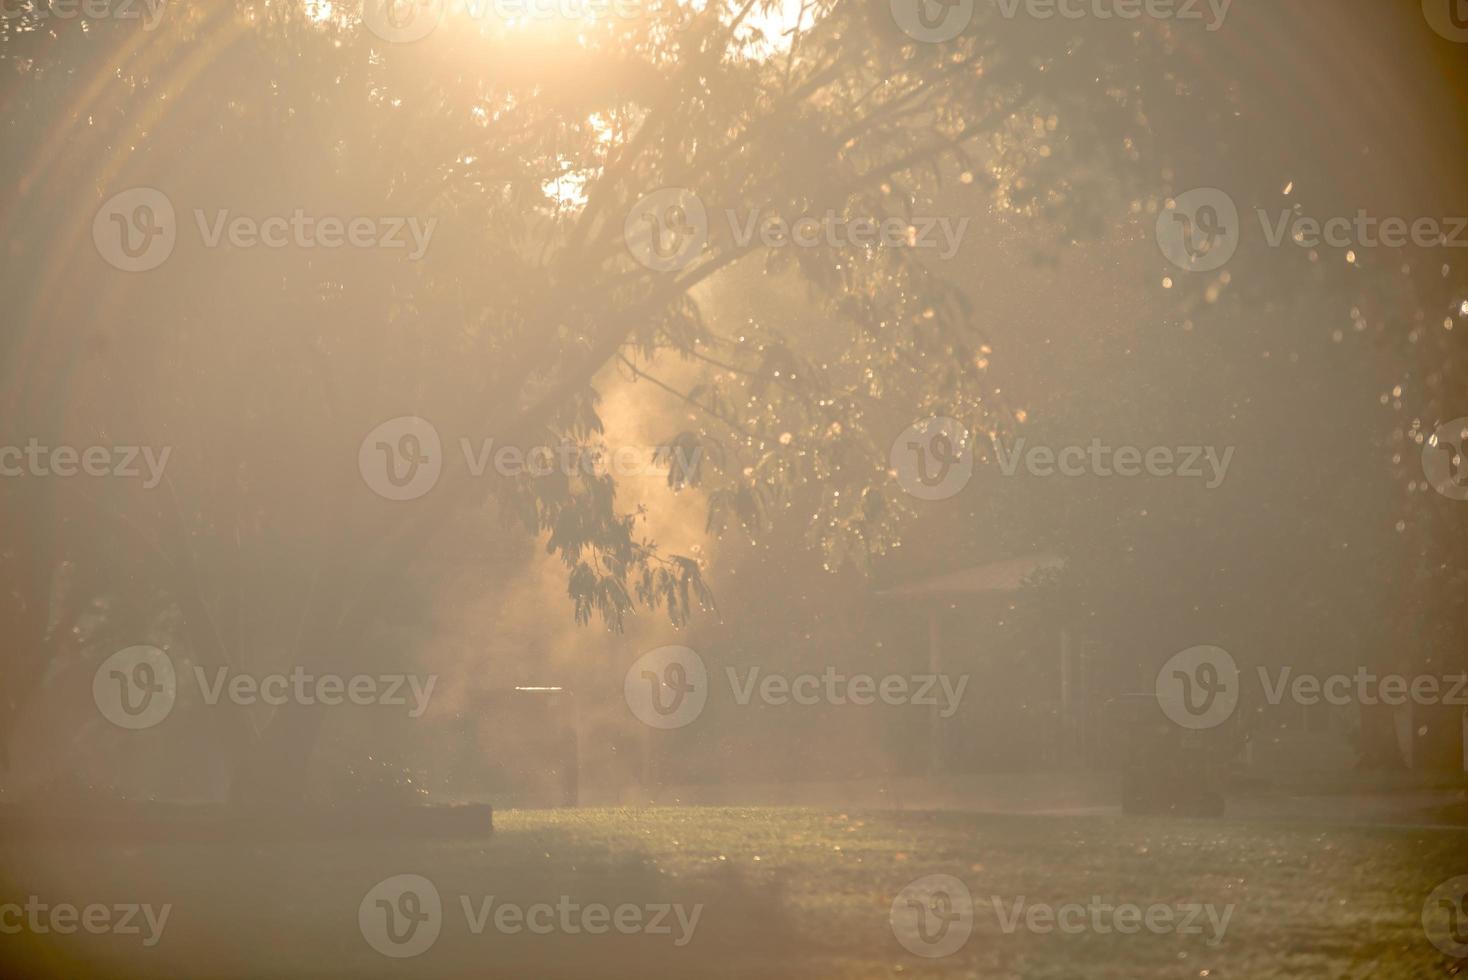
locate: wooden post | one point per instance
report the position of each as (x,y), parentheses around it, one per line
(1067,681)
(1406,728)
(645,742)
(935,667)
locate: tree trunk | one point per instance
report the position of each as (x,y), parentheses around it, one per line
(1377,743)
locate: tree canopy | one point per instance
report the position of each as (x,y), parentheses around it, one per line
(533,148)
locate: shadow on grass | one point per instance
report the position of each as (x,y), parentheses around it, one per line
(292,909)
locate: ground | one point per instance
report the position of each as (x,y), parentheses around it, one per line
(787,892)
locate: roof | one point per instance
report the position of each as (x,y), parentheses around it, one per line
(995,577)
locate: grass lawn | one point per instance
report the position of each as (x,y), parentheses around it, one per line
(785,892)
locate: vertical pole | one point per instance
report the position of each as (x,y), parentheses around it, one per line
(935,667)
(1409,747)
(573,765)
(645,739)
(1066,697)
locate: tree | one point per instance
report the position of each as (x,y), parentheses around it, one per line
(264,369)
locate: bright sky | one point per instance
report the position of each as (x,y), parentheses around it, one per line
(779,20)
